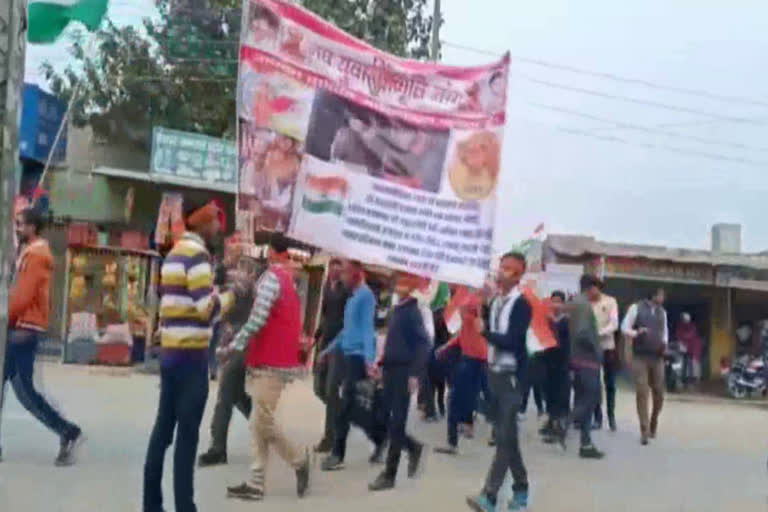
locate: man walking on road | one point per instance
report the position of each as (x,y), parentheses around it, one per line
(606,312)
(27,323)
(510,318)
(231,392)
(271,340)
(357,344)
(646,325)
(406,352)
(586,356)
(328,371)
(189,307)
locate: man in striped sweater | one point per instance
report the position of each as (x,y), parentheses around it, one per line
(189,307)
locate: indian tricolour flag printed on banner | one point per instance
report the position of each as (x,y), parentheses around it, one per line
(324,194)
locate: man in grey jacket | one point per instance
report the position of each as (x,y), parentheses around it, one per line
(586,358)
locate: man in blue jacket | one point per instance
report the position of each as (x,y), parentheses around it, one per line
(357,343)
(406,352)
(510,317)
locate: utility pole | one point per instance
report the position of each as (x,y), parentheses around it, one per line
(437,19)
(13,37)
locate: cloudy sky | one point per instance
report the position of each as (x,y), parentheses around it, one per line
(657,129)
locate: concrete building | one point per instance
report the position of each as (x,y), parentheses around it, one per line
(720,288)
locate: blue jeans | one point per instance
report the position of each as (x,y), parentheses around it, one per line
(463,398)
(183,393)
(19,369)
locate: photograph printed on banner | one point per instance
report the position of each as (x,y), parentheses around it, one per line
(487,96)
(270,99)
(265,31)
(384,147)
(474,163)
(269,165)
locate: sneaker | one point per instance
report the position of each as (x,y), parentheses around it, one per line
(590,452)
(548,429)
(377,457)
(68,449)
(324,446)
(644,440)
(519,501)
(332,463)
(415,461)
(302,478)
(212,458)
(447,450)
(245,492)
(481,503)
(383,482)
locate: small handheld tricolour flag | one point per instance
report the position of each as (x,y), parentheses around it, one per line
(540,336)
(48,19)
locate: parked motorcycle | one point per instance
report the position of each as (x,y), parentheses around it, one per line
(747,376)
(674,366)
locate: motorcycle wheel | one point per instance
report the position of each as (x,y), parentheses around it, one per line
(734,389)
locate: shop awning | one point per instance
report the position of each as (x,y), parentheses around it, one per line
(162,179)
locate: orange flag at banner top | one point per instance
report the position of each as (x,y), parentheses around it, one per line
(540,336)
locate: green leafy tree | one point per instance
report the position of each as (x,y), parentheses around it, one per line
(179,71)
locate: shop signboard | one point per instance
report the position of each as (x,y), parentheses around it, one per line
(193,157)
(659,270)
(41,118)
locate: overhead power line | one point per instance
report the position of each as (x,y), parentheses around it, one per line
(638,101)
(618,78)
(647,129)
(650,145)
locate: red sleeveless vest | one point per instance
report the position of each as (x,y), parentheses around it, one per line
(277,344)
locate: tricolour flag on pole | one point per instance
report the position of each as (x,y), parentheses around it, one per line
(47,20)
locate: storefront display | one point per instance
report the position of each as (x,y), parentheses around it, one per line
(107,305)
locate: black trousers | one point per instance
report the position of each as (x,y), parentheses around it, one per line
(557,387)
(231,394)
(610,368)
(507,457)
(354,371)
(331,382)
(183,393)
(534,381)
(586,387)
(397,402)
(433,387)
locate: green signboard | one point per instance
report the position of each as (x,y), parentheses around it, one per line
(193,157)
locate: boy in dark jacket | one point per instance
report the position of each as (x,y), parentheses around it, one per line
(405,356)
(510,317)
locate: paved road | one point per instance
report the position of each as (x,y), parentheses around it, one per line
(710,457)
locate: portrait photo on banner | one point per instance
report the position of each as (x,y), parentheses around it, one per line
(384,147)
(269,164)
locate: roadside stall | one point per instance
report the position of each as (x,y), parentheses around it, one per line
(108,310)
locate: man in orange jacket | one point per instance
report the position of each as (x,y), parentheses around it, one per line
(27,324)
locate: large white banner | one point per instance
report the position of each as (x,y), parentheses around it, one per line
(386,160)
